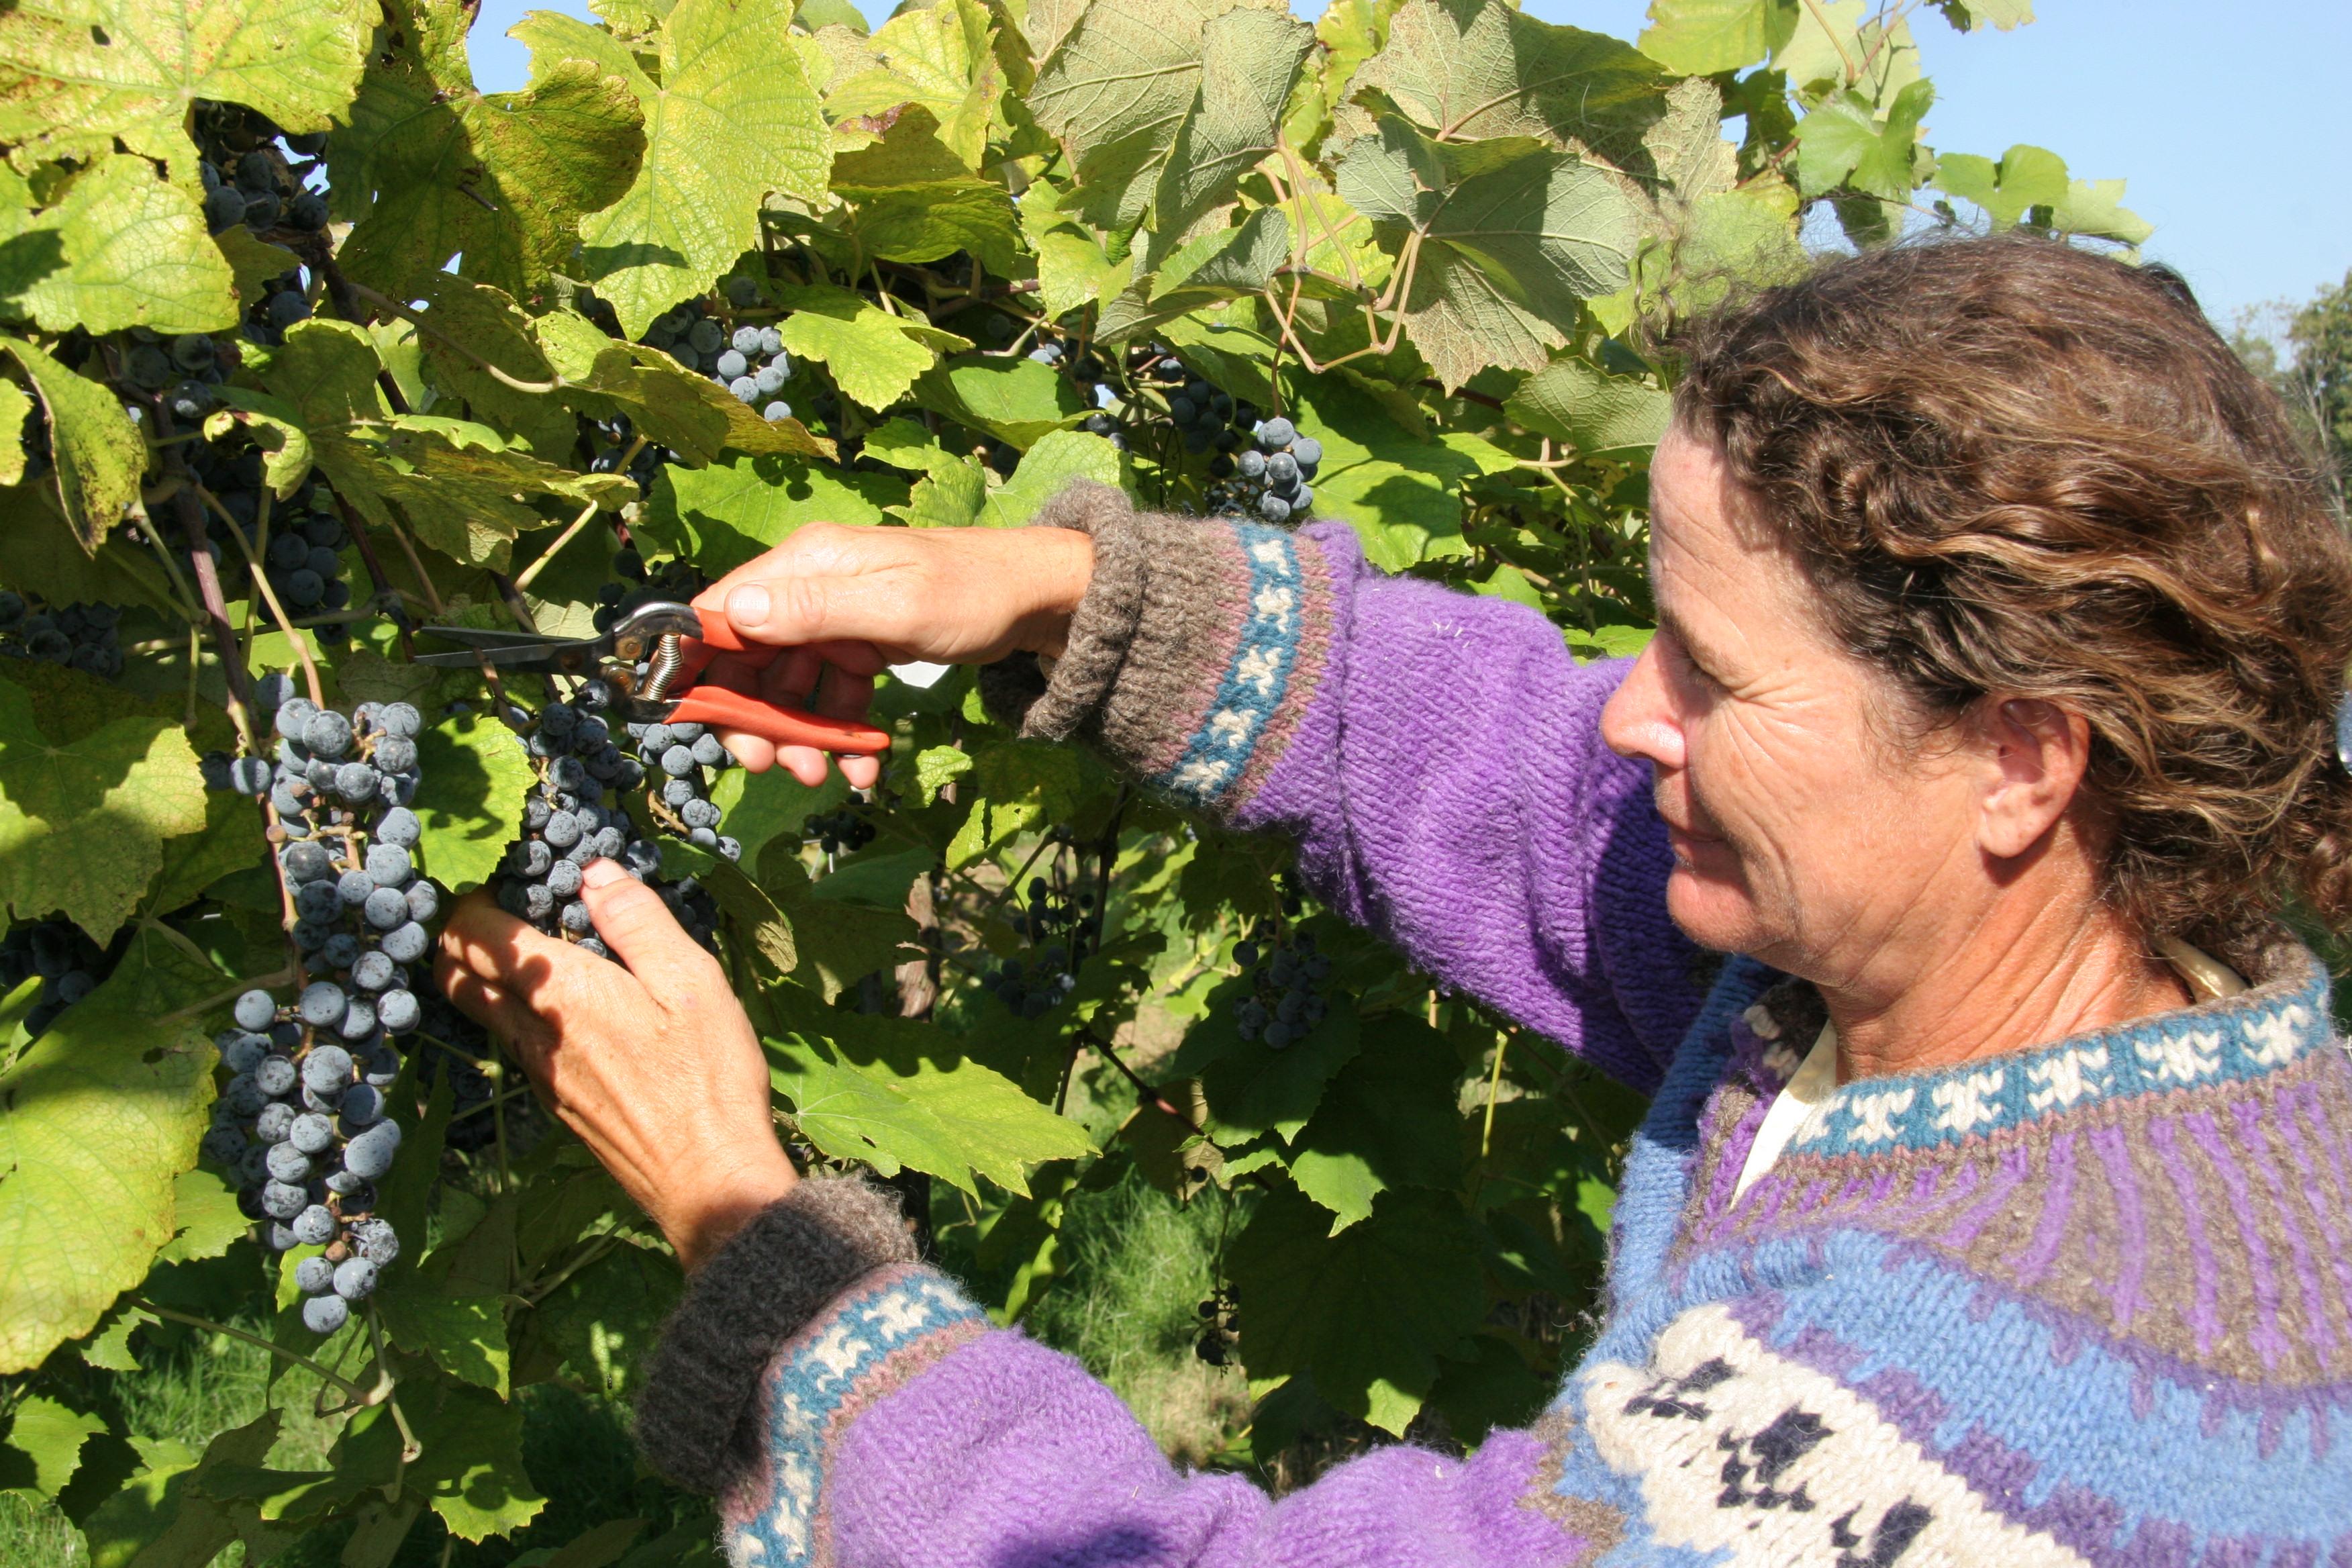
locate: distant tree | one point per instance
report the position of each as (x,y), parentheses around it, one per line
(2307,357)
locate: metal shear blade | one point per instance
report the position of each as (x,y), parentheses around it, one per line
(518,650)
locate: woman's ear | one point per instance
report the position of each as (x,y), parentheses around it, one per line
(2035,753)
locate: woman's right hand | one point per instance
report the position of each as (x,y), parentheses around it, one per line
(831,606)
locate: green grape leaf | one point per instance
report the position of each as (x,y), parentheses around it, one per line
(1837,44)
(913,200)
(452,1306)
(1467,70)
(100,453)
(1248,60)
(838,944)
(1366,1313)
(430,168)
(729,117)
(1056,460)
(471,1468)
(873,355)
(253,263)
(773,805)
(1250,1088)
(459,485)
(122,248)
(230,841)
(671,406)
(2095,208)
(16,403)
(897,1095)
(473,810)
(205,1220)
(906,446)
(96,1119)
(1747,234)
(76,74)
(1844,142)
(1114,93)
(1400,491)
(1386,1121)
(40,550)
(168,1515)
(721,516)
(951,496)
(476,344)
(129,784)
(603,1321)
(936,766)
(941,58)
(1702,37)
(1018,401)
(1018,785)
(1596,414)
(40,1447)
(2025,178)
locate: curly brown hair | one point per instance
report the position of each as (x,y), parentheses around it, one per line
(2012,466)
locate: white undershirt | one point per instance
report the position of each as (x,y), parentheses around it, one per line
(1815,1078)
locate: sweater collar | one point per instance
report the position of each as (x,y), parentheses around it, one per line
(2281,1017)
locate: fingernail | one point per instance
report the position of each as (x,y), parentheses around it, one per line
(602,873)
(748,605)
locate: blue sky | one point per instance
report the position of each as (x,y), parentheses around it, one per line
(2227,121)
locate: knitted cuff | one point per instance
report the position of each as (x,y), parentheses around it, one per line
(1197,646)
(771,1277)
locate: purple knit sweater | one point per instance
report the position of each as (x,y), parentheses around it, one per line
(2090,1303)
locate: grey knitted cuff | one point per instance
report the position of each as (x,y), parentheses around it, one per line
(771,1276)
(1017,690)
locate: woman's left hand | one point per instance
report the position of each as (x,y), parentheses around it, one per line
(649,1060)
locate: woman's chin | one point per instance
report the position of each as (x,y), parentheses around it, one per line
(1712,912)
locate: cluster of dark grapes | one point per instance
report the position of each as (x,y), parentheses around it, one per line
(572,816)
(1269,477)
(1221,1328)
(749,361)
(304,1117)
(674,579)
(254,174)
(837,831)
(81,636)
(178,372)
(62,956)
(684,757)
(1282,1005)
(302,552)
(1063,928)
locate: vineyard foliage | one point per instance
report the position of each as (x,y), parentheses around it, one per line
(312,343)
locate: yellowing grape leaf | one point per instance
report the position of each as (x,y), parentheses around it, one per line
(126,784)
(75,75)
(121,249)
(673,406)
(729,117)
(941,57)
(96,1119)
(100,453)
(432,168)
(1700,37)
(474,809)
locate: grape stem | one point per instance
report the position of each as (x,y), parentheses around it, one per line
(268,595)
(529,573)
(384,1393)
(359,1395)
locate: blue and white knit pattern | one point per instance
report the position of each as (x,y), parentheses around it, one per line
(862,1347)
(1256,676)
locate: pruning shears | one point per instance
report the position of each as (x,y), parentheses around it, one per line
(650,658)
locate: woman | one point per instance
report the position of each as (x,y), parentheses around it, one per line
(1995,1203)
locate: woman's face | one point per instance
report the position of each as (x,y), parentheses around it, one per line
(1799,834)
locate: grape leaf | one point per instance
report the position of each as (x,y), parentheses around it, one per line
(1467,70)
(41,1446)
(2095,208)
(838,943)
(168,1515)
(75,75)
(100,453)
(40,550)
(1844,142)
(1701,37)
(430,168)
(205,1220)
(940,57)
(603,1321)
(899,1095)
(128,785)
(473,808)
(673,406)
(721,516)
(938,767)
(2026,177)
(1056,460)
(733,119)
(1019,401)
(873,355)
(1114,93)
(912,200)
(1366,1313)
(451,1307)
(121,249)
(471,1468)
(1386,1121)
(1248,60)
(1596,414)
(230,841)
(1019,785)
(459,485)
(1402,491)
(16,403)
(96,1119)
(1250,1088)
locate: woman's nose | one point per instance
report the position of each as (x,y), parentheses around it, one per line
(1639,720)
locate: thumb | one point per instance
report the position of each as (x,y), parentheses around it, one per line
(638,927)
